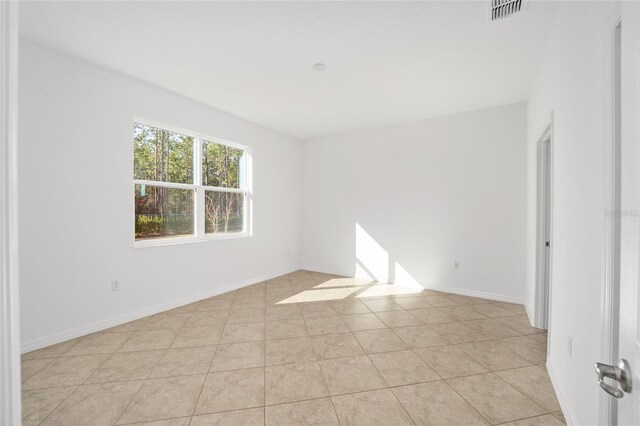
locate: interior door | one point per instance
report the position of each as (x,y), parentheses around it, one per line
(629,338)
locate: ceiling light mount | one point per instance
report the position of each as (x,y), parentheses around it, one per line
(319,67)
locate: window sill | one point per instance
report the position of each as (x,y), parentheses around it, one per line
(159,242)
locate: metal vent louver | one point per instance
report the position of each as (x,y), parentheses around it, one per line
(504,8)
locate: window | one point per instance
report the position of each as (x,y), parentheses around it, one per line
(188,187)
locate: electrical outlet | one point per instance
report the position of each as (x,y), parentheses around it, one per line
(570,345)
(289,251)
(115,285)
(456,265)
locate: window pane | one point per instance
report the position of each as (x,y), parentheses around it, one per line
(163,212)
(221,165)
(162,155)
(224,212)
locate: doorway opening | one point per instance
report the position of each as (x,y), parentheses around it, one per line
(543,230)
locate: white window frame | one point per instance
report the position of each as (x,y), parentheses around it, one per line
(199,234)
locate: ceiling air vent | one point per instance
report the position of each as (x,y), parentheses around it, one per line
(504,8)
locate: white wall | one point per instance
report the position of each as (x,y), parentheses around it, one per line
(428,193)
(570,83)
(76,207)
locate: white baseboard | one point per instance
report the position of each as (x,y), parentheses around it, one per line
(562,397)
(442,288)
(42,342)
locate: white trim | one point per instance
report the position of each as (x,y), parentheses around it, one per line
(122,319)
(562,396)
(609,307)
(542,301)
(172,241)
(438,287)
(10,399)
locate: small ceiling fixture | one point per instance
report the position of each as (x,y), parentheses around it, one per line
(319,66)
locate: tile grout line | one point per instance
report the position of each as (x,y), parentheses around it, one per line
(206,374)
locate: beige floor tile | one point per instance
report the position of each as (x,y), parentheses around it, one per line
(376,341)
(437,403)
(379,407)
(336,345)
(560,416)
(431,316)
(214,305)
(495,399)
(286,328)
(198,336)
(294,382)
(493,355)
(318,309)
(449,361)
(147,340)
(457,332)
(52,351)
(351,307)
(248,302)
(97,404)
(128,326)
(29,367)
(65,372)
(248,417)
(126,366)
(236,356)
(256,291)
(398,318)
(521,323)
(164,321)
(403,368)
(38,404)
(493,310)
(528,347)
(360,322)
(164,399)
(246,332)
(99,343)
(353,374)
(467,300)
(180,421)
(438,301)
(184,361)
(282,312)
(287,351)
(207,318)
(534,382)
(313,412)
(325,325)
(382,305)
(232,390)
(492,328)
(462,313)
(513,307)
(411,303)
(420,336)
(546,420)
(244,315)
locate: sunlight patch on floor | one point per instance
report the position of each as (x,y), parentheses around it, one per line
(320,295)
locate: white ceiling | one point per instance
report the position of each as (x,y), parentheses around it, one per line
(387,62)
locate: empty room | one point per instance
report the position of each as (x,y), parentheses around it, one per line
(371,213)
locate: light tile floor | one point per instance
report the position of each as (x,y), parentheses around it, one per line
(304,348)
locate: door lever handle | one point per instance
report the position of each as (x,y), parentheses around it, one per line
(619,372)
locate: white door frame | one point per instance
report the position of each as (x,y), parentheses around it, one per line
(544,221)
(10,404)
(609,311)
